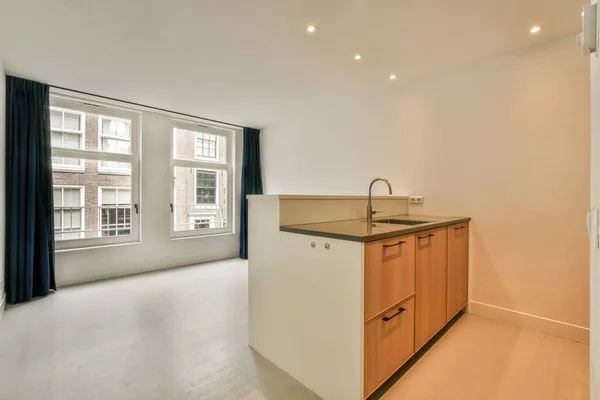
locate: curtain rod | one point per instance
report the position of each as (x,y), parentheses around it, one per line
(145,106)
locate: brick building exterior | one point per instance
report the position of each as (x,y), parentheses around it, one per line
(91,180)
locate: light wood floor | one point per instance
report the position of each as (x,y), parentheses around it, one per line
(182,334)
(483,359)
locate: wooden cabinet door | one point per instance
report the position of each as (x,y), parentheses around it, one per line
(389,273)
(389,342)
(458,268)
(431,272)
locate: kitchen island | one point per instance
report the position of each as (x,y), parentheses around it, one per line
(340,304)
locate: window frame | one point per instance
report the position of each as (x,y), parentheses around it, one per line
(100,205)
(82,120)
(89,106)
(110,170)
(204,164)
(82,206)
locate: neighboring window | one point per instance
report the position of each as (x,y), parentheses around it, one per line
(202,173)
(206,187)
(68,132)
(114,137)
(115,211)
(69,213)
(206,145)
(108,178)
(204,222)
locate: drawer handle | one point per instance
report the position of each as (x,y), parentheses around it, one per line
(400,311)
(395,244)
(460,227)
(426,236)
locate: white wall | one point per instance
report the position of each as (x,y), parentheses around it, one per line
(156,250)
(2,178)
(505,141)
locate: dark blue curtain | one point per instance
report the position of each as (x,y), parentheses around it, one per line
(29,206)
(251,181)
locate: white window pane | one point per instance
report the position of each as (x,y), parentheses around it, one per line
(75,219)
(71,219)
(123,147)
(123,129)
(56,139)
(108,127)
(72,197)
(191,145)
(57,197)
(124,196)
(71,140)
(70,161)
(56,119)
(109,196)
(56,219)
(72,121)
(109,145)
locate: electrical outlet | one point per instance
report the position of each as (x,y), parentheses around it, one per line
(416,200)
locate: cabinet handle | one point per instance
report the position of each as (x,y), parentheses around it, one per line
(400,311)
(460,227)
(395,244)
(426,236)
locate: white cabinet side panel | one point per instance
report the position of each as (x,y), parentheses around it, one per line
(306,308)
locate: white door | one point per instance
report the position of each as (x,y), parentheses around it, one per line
(593,225)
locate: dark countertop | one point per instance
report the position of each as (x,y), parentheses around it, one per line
(356,230)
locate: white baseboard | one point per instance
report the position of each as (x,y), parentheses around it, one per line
(534,322)
(2,305)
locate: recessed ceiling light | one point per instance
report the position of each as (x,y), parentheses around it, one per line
(311,28)
(393,76)
(535,29)
(358,57)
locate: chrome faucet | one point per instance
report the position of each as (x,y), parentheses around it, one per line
(370,211)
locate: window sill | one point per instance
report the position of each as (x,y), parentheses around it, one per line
(99,246)
(208,235)
(68,170)
(104,171)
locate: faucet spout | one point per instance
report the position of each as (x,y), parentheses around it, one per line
(369,206)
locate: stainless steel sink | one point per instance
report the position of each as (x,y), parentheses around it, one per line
(401,221)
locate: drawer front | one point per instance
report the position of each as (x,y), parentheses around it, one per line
(458,268)
(389,273)
(389,342)
(431,271)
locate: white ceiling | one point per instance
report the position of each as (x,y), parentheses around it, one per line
(215,57)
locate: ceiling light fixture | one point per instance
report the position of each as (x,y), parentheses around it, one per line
(311,28)
(535,29)
(393,76)
(358,57)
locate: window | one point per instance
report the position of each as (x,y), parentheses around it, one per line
(206,187)
(107,178)
(69,212)
(114,137)
(204,222)
(68,128)
(206,145)
(202,180)
(115,211)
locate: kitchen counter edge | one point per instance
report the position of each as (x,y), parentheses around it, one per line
(374,237)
